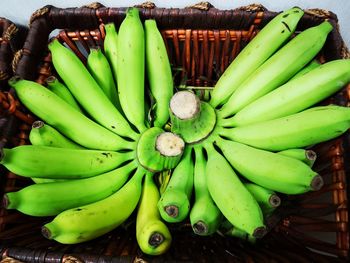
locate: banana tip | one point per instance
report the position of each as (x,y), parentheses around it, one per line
(156,239)
(5,201)
(46,232)
(12,81)
(200,228)
(38,124)
(50,79)
(172,210)
(275,200)
(311,155)
(316,183)
(259,232)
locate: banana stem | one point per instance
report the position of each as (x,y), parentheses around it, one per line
(156,239)
(200,228)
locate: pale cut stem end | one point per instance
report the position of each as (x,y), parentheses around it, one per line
(170,144)
(274,200)
(200,228)
(172,210)
(156,239)
(38,124)
(185,105)
(317,183)
(51,79)
(259,232)
(311,155)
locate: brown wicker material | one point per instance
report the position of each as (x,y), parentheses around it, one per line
(202,41)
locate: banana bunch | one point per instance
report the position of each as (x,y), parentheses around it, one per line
(95,156)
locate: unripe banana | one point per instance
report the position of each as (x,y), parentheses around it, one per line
(86,91)
(285,63)
(62,91)
(99,68)
(306,156)
(191,118)
(174,204)
(71,123)
(50,199)
(52,162)
(232,198)
(296,95)
(110,44)
(130,68)
(312,65)
(152,234)
(87,222)
(299,130)
(257,51)
(158,72)
(43,134)
(158,150)
(270,170)
(205,216)
(267,199)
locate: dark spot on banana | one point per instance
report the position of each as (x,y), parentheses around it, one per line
(286,25)
(106,154)
(113,127)
(296,11)
(78,209)
(286,15)
(283,31)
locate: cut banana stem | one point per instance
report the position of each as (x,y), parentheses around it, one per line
(241,234)
(276,172)
(99,68)
(257,51)
(87,92)
(279,68)
(87,222)
(266,198)
(299,130)
(152,234)
(158,72)
(191,118)
(62,91)
(307,156)
(174,204)
(205,216)
(131,67)
(312,65)
(60,163)
(230,195)
(158,150)
(43,134)
(53,198)
(71,123)
(297,94)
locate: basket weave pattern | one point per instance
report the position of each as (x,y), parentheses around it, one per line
(202,41)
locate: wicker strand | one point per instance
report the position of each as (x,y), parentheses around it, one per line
(71,259)
(253,8)
(146,5)
(38,13)
(317,12)
(16,59)
(204,6)
(10,260)
(10,32)
(94,5)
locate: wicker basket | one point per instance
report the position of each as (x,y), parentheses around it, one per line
(201,40)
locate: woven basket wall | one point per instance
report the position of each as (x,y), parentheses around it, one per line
(201,40)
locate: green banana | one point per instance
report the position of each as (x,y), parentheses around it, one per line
(87,222)
(205,216)
(266,198)
(62,91)
(110,44)
(130,68)
(158,72)
(296,95)
(152,234)
(43,134)
(258,50)
(306,156)
(61,163)
(270,170)
(99,68)
(234,201)
(191,118)
(158,150)
(48,199)
(71,123)
(174,204)
(299,130)
(312,65)
(87,92)
(285,63)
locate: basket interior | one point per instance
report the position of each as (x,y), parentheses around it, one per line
(308,227)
